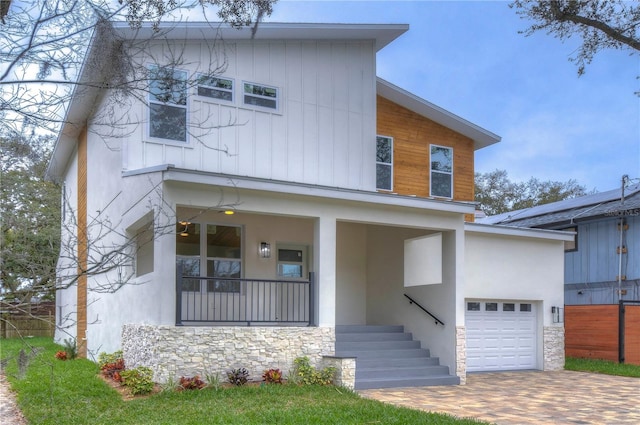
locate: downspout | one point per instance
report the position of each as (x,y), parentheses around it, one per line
(625,178)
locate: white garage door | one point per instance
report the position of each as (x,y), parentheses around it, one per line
(501,335)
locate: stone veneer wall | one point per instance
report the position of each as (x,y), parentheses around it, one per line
(175,351)
(345,370)
(461,354)
(553,340)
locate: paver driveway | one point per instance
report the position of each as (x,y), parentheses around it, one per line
(508,398)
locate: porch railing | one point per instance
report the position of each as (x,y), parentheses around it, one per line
(207,300)
(412,301)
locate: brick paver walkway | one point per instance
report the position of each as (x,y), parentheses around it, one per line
(522,398)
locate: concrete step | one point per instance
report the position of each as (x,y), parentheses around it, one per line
(401,372)
(373,363)
(376,345)
(362,384)
(368,328)
(374,336)
(387,354)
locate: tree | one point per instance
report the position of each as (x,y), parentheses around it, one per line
(44,46)
(497,194)
(30,210)
(602,24)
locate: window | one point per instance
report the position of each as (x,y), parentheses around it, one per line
(570,246)
(384,163)
(491,307)
(216,88)
(144,250)
(211,248)
(167,104)
(261,95)
(291,262)
(441,171)
(525,307)
(508,307)
(473,306)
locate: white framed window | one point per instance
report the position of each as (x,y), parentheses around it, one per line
(260,95)
(441,171)
(167,104)
(215,250)
(220,88)
(384,163)
(292,262)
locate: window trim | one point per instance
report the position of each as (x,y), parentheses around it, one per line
(277,98)
(151,101)
(232,91)
(390,164)
(432,171)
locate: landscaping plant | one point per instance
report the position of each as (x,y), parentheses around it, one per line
(238,377)
(272,376)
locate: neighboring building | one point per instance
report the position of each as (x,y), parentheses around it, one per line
(602,263)
(348,193)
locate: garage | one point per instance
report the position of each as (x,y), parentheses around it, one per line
(501,335)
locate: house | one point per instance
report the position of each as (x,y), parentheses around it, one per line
(600,264)
(292,204)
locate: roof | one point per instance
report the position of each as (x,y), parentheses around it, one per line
(481,137)
(381,34)
(571,211)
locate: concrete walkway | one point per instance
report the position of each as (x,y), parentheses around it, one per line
(510,398)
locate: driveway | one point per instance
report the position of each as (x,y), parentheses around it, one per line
(531,397)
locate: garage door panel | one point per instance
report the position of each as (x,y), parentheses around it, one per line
(501,336)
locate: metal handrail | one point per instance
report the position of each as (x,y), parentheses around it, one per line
(412,301)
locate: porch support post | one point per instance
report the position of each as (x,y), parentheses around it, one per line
(324,259)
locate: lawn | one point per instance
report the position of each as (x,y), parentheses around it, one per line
(52,391)
(602,366)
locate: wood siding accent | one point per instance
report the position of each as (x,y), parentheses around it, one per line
(81,329)
(591,332)
(412,136)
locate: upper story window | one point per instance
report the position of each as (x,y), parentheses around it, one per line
(441,171)
(384,163)
(261,95)
(216,88)
(167,104)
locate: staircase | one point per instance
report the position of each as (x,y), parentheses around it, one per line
(388,357)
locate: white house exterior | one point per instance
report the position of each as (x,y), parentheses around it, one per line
(297,166)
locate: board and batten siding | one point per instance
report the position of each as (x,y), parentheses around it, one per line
(412,137)
(323,133)
(596,259)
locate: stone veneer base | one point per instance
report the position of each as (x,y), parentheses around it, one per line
(553,340)
(175,351)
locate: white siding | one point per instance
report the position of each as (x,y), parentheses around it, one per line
(323,133)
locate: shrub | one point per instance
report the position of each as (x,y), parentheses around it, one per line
(113,370)
(194,383)
(138,380)
(238,376)
(308,375)
(71,348)
(104,358)
(61,355)
(272,376)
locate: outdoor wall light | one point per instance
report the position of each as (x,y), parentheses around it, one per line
(265,250)
(185,231)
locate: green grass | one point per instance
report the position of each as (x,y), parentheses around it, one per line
(602,366)
(69,392)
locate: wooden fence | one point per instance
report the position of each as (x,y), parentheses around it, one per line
(13,325)
(594,331)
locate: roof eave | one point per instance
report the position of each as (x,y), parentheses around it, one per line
(480,136)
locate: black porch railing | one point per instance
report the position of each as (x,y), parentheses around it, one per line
(205,300)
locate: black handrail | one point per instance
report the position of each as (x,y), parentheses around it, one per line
(412,301)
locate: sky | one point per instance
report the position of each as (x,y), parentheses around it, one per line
(468,58)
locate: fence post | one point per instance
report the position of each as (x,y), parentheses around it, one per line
(312,299)
(621,331)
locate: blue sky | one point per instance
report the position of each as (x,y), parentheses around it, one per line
(468,58)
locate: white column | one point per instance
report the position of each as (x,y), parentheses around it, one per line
(324,259)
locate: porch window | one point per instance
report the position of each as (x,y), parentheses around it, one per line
(384,163)
(216,88)
(167,104)
(291,262)
(212,249)
(441,171)
(144,249)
